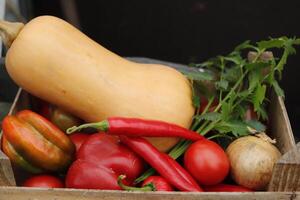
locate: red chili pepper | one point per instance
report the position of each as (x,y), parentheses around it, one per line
(145,188)
(152,183)
(159,183)
(166,166)
(139,127)
(226,188)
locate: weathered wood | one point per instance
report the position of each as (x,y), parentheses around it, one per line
(286,169)
(286,173)
(13,193)
(279,125)
(6,173)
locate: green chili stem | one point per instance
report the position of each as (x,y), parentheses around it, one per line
(100,126)
(146,188)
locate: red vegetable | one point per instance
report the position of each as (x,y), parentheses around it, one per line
(207,162)
(159,183)
(139,127)
(44,181)
(166,166)
(78,139)
(100,160)
(152,183)
(226,188)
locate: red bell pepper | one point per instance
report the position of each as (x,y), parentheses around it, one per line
(100,161)
(139,128)
(35,144)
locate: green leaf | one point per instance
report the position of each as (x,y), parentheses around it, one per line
(259,96)
(257,65)
(244,45)
(222,84)
(235,58)
(195,97)
(225,111)
(198,76)
(239,111)
(244,94)
(282,62)
(272,43)
(257,125)
(289,46)
(254,79)
(237,128)
(196,101)
(232,74)
(262,113)
(208,63)
(297,42)
(277,89)
(211,116)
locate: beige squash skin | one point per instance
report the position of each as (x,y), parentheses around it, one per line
(54,61)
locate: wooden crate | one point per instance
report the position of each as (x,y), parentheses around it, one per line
(284,182)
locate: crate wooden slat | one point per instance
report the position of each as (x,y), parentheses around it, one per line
(279,124)
(13,193)
(286,173)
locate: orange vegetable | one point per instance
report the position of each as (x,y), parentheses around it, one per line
(35,144)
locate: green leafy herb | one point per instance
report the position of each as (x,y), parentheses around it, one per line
(198,76)
(211,116)
(257,125)
(237,128)
(240,83)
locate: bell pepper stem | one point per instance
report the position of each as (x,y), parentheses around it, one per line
(146,188)
(100,126)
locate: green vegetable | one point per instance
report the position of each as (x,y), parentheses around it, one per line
(241,82)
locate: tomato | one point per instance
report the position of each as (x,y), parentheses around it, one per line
(226,188)
(207,162)
(159,183)
(78,139)
(44,181)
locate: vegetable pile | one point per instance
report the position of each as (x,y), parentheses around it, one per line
(114,144)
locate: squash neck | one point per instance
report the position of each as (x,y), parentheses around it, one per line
(9,31)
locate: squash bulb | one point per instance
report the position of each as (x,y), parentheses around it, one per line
(56,62)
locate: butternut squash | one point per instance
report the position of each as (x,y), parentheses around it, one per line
(53,60)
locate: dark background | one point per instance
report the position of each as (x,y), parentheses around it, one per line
(186,31)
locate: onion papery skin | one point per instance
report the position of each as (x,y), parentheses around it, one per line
(252,160)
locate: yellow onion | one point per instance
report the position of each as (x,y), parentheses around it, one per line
(252,160)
